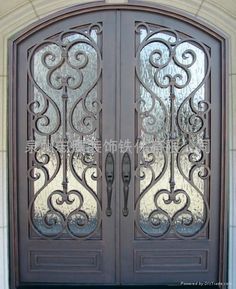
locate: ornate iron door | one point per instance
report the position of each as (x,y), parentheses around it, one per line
(171,100)
(116,151)
(64,178)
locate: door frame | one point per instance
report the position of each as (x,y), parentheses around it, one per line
(102,6)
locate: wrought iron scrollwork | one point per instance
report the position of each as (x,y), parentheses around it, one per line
(172,108)
(64,101)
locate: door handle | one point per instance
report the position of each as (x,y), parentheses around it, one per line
(126,176)
(109,174)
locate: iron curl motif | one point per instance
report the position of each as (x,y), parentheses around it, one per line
(60,82)
(165,60)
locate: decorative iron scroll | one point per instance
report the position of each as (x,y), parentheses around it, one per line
(64,109)
(173,114)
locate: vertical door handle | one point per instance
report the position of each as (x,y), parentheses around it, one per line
(109,174)
(126,176)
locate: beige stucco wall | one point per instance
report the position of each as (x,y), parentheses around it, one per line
(16,14)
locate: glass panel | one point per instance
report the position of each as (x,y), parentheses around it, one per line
(64,113)
(172,133)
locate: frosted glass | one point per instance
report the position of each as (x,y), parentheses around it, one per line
(65,110)
(172,172)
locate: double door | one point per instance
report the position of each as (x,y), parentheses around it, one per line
(117,128)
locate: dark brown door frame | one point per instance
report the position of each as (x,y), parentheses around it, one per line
(101,6)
